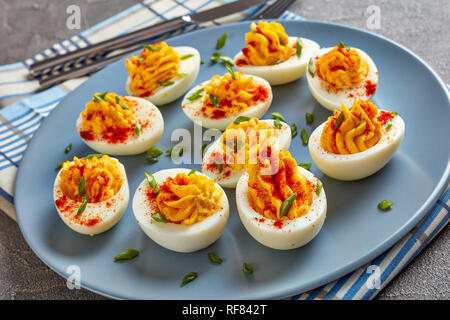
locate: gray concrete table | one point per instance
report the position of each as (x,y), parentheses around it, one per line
(28,27)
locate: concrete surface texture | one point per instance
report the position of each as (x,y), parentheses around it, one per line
(28,27)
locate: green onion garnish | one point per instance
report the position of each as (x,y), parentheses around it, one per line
(141,60)
(152,182)
(319,187)
(165,83)
(281,40)
(97,155)
(192,171)
(311,67)
(343,45)
(394,112)
(196,95)
(127,255)
(388,124)
(287,204)
(159,217)
(152,47)
(294,130)
(81,187)
(152,160)
(212,257)
(137,128)
(298,50)
(247,268)
(202,62)
(59,165)
(339,121)
(100,97)
(226,60)
(186,56)
(278,116)
(121,103)
(305,137)
(83,205)
(277,124)
(305,165)
(214,100)
(276,62)
(360,119)
(215,56)
(221,41)
(154,152)
(241,119)
(188,278)
(385,205)
(219,166)
(309,118)
(230,70)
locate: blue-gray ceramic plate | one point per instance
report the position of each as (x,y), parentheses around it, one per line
(354,232)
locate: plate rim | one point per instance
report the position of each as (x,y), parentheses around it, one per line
(306,286)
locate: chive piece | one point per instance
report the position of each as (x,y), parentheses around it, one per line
(298,50)
(81,187)
(339,121)
(360,119)
(127,255)
(97,155)
(215,56)
(154,152)
(388,124)
(226,60)
(287,204)
(241,119)
(165,83)
(152,182)
(83,205)
(278,116)
(100,97)
(311,67)
(385,205)
(141,60)
(277,124)
(214,100)
(159,217)
(68,148)
(191,276)
(219,166)
(137,128)
(230,70)
(202,62)
(221,41)
(59,165)
(294,130)
(305,165)
(121,103)
(247,268)
(281,40)
(186,56)
(305,137)
(343,45)
(309,118)
(204,148)
(152,160)
(192,171)
(196,95)
(276,62)
(394,112)
(152,48)
(212,257)
(319,187)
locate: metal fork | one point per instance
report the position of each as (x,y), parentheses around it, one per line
(273,11)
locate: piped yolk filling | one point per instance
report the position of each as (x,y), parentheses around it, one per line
(188,199)
(340,67)
(102,178)
(154,67)
(227,96)
(108,117)
(354,131)
(267,44)
(266,193)
(242,144)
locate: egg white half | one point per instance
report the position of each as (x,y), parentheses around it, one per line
(292,233)
(192,109)
(359,165)
(288,71)
(329,96)
(230,180)
(172,236)
(145,112)
(108,212)
(189,66)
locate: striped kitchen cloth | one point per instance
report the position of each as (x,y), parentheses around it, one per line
(25,107)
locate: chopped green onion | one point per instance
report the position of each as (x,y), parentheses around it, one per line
(343,45)
(83,205)
(152,160)
(121,103)
(137,128)
(186,56)
(100,97)
(226,60)
(294,130)
(152,47)
(219,166)
(192,171)
(81,187)
(278,116)
(287,204)
(305,137)
(311,67)
(214,100)
(230,70)
(309,118)
(59,165)
(241,119)
(196,95)
(281,40)
(141,60)
(97,155)
(215,56)
(202,62)
(339,121)
(298,50)
(360,119)
(388,124)
(127,255)
(247,268)
(188,278)
(165,83)
(212,257)
(305,165)
(159,217)
(276,62)
(68,148)
(154,152)
(277,124)
(152,182)
(221,41)
(385,205)
(394,112)
(319,187)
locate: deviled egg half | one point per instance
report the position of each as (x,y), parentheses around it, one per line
(282,205)
(161,73)
(356,143)
(242,143)
(91,194)
(180,209)
(272,55)
(341,75)
(219,101)
(120,125)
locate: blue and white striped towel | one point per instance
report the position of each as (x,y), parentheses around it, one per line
(25,108)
